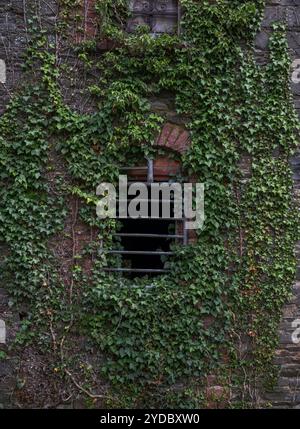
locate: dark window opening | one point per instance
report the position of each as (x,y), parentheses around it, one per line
(148,242)
(161,16)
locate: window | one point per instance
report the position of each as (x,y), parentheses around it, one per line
(162,16)
(144,245)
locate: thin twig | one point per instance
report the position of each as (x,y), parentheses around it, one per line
(87,392)
(73,249)
(25,18)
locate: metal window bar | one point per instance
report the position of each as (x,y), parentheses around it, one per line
(146,169)
(150,183)
(141,235)
(137,270)
(150,175)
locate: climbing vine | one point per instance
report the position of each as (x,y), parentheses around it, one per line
(154,342)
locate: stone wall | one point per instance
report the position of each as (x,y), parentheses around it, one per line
(14,38)
(13,42)
(287,392)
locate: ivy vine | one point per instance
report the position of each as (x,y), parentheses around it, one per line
(154,342)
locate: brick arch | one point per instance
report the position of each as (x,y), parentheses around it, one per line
(174,137)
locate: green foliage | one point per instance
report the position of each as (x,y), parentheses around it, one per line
(153,335)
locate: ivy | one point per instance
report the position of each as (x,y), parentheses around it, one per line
(155,341)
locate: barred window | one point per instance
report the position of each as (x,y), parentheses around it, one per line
(144,245)
(161,16)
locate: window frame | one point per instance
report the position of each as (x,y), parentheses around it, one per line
(181,233)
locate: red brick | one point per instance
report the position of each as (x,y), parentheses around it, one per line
(163,137)
(174,137)
(164,167)
(183,141)
(91,18)
(90,21)
(176,131)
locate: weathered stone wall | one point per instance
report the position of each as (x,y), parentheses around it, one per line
(287,393)
(14,37)
(13,42)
